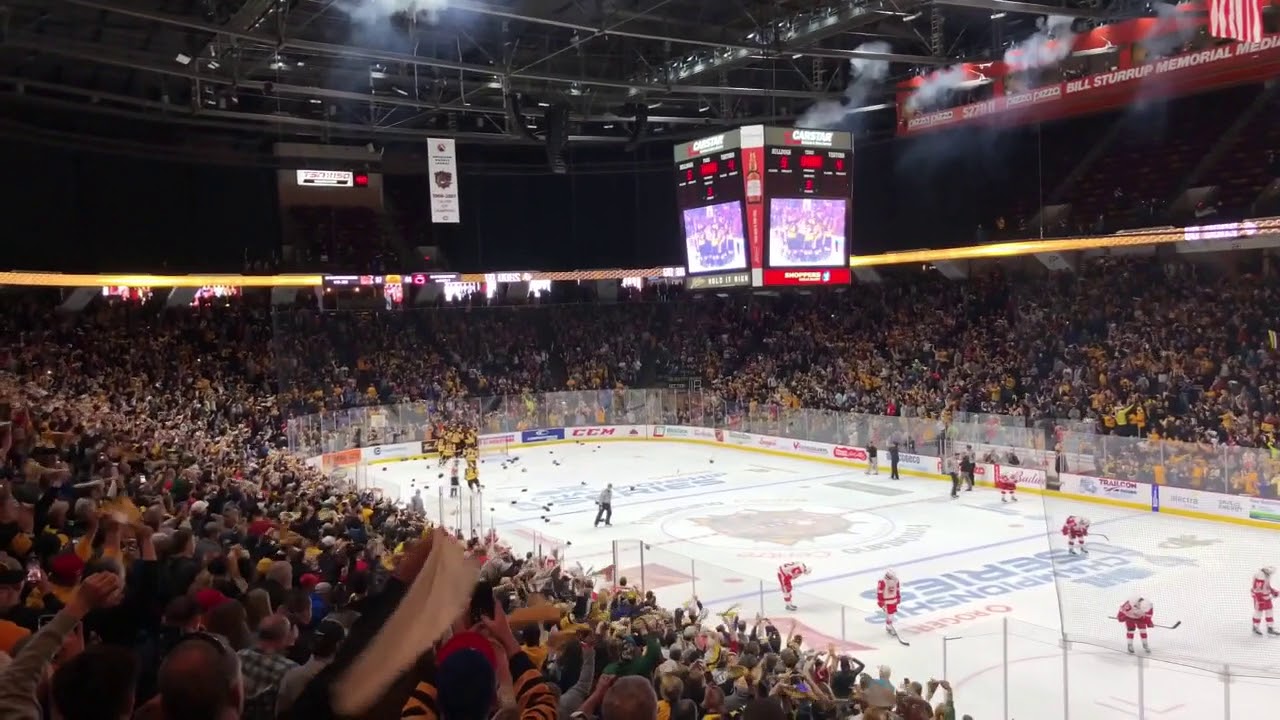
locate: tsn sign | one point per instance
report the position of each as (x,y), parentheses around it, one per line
(593,432)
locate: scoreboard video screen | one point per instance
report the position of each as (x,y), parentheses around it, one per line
(765,207)
(710,197)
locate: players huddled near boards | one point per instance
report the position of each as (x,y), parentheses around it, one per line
(458,448)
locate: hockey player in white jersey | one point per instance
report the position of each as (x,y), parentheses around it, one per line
(787,573)
(1264,594)
(888,595)
(1137,614)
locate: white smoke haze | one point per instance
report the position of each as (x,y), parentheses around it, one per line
(378,11)
(1170,32)
(866,77)
(936,87)
(1050,45)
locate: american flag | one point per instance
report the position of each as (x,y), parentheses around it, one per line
(1236,19)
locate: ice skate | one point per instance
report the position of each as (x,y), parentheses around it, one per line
(1146,648)
(1071,551)
(1014,498)
(1086,552)
(1273,632)
(1258,631)
(1004,499)
(1130,647)
(791,607)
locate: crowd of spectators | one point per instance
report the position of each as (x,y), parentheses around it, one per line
(167,554)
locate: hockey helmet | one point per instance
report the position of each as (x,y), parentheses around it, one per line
(805,569)
(890,575)
(1269,570)
(1082,521)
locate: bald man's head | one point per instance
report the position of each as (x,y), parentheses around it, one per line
(200,680)
(630,698)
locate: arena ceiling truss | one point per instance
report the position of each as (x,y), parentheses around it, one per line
(403,70)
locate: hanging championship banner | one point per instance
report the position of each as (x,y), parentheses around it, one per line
(442,158)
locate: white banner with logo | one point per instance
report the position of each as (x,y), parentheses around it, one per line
(606,432)
(442,163)
(390,452)
(1127,491)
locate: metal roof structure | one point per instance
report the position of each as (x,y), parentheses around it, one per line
(478,70)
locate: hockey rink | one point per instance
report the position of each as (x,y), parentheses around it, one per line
(980,603)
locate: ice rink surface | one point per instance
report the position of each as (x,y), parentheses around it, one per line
(988,588)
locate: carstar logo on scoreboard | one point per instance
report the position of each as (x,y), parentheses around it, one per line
(593,432)
(811,137)
(706,145)
(849,453)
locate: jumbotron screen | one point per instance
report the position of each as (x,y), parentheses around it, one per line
(807,232)
(714,239)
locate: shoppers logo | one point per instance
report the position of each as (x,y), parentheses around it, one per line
(808,449)
(1107,567)
(767,442)
(849,453)
(594,432)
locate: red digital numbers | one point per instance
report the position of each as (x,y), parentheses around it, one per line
(808,184)
(784,162)
(839,164)
(733,164)
(811,162)
(710,191)
(688,175)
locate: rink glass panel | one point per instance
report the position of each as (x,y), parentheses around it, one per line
(1209,652)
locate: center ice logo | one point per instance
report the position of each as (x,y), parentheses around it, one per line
(783,527)
(776,529)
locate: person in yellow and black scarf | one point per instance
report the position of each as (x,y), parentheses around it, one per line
(461,683)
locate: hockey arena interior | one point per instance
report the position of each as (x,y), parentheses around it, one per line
(669,360)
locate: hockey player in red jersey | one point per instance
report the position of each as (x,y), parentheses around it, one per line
(1076,529)
(787,573)
(1263,595)
(1137,615)
(887,597)
(1007,484)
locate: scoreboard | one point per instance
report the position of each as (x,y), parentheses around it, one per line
(710,195)
(766,207)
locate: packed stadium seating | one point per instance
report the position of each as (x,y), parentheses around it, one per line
(186,412)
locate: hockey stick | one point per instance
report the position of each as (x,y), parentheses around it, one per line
(1104,537)
(1174,626)
(898,637)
